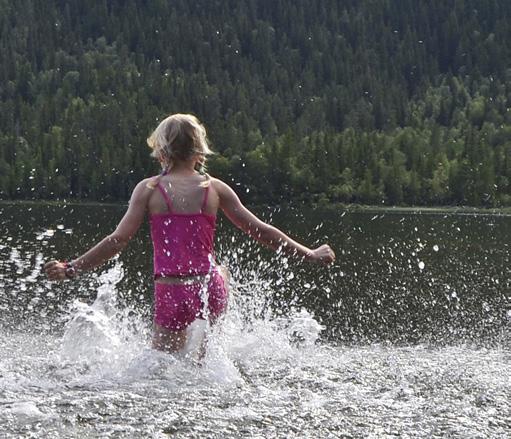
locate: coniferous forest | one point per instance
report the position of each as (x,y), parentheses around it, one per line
(357,101)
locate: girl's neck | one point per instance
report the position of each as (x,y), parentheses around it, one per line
(183,167)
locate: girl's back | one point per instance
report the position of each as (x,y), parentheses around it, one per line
(185,192)
(183,221)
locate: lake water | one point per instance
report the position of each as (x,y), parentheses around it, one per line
(407,335)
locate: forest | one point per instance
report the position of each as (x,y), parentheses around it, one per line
(400,102)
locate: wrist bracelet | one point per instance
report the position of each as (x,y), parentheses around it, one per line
(70,270)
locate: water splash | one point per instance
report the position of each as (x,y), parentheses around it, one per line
(101,340)
(269,369)
(91,332)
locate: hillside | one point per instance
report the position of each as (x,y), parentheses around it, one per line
(395,102)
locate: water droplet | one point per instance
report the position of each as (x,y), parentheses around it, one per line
(421,265)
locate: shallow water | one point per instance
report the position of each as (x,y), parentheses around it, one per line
(303,351)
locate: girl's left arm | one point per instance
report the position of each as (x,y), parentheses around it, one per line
(113,243)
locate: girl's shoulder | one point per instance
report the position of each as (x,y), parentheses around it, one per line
(151,182)
(143,190)
(214,182)
(221,188)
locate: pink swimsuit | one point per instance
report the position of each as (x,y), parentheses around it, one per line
(183,247)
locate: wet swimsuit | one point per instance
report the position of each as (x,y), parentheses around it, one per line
(178,305)
(183,247)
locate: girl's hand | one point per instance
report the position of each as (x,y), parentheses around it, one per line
(323,255)
(55,270)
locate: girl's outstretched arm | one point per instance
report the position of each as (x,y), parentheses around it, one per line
(268,235)
(113,243)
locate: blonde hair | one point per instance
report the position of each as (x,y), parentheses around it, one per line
(179,137)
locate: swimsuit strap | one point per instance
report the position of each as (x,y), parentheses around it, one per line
(205,199)
(166,196)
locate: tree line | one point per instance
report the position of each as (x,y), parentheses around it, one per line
(396,102)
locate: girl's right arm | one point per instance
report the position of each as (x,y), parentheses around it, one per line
(268,235)
(113,243)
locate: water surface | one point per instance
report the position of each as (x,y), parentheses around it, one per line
(407,335)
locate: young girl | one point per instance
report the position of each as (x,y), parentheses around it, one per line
(182,203)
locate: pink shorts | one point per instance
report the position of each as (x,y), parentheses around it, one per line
(178,305)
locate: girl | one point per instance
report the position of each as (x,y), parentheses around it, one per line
(182,203)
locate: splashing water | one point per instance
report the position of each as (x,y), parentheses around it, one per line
(78,362)
(102,337)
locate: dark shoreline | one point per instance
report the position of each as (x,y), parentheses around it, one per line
(350,208)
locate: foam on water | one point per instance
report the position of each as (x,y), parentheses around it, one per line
(265,376)
(110,342)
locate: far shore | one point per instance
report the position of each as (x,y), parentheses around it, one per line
(70,202)
(351,208)
(468,210)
